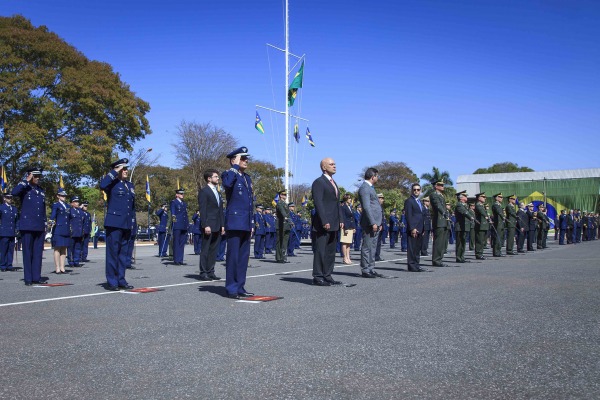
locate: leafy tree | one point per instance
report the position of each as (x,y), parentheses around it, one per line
(435,176)
(393,175)
(502,168)
(60,109)
(266,181)
(203,146)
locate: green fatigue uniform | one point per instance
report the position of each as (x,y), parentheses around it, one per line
(462,225)
(498,234)
(543,226)
(511,226)
(283,231)
(481,229)
(472,230)
(439,224)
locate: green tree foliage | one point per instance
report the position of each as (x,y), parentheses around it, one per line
(393,175)
(502,168)
(435,176)
(266,181)
(60,109)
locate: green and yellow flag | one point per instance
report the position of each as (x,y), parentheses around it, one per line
(296,84)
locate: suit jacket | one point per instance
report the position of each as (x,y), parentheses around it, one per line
(9,216)
(180,213)
(33,207)
(239,215)
(76,222)
(211,212)
(570,221)
(372,214)
(414,215)
(327,205)
(532,221)
(562,221)
(120,211)
(522,220)
(60,216)
(348,217)
(438,211)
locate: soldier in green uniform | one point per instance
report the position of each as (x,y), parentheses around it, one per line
(439,222)
(283,228)
(482,227)
(543,227)
(511,225)
(472,226)
(498,220)
(462,225)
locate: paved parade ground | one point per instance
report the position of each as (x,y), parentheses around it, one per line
(520,327)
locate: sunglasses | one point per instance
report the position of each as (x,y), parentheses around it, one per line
(416,189)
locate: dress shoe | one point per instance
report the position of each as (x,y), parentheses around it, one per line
(333,282)
(379,259)
(112,288)
(320,282)
(441,265)
(424,254)
(283,262)
(205,278)
(521,251)
(214,277)
(27,283)
(234,296)
(480,258)
(368,275)
(131,267)
(377,275)
(126,287)
(245,294)
(463,261)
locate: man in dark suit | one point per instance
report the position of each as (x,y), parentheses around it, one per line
(532,227)
(370,221)
(522,227)
(570,227)
(415,226)
(325,223)
(562,226)
(118,222)
(212,224)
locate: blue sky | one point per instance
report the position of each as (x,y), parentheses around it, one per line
(453,84)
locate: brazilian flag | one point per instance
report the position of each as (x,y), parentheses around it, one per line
(296,84)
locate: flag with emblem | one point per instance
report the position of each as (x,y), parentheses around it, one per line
(296,133)
(309,137)
(3,180)
(258,124)
(275,200)
(296,84)
(304,200)
(148,190)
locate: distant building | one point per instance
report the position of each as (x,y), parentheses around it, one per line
(566,189)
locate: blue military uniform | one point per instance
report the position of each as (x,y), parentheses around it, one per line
(119,221)
(163,236)
(239,221)
(197,232)
(403,233)
(32,225)
(270,232)
(358,231)
(131,244)
(179,214)
(61,230)
(76,227)
(260,232)
(9,216)
(87,231)
(394,229)
(293,232)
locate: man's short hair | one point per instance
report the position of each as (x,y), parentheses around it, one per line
(415,184)
(209,173)
(370,172)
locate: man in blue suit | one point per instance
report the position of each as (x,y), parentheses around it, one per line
(179,216)
(562,227)
(87,230)
(32,223)
(118,222)
(9,215)
(239,222)
(260,231)
(163,236)
(415,226)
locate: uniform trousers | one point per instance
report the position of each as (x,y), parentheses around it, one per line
(358,238)
(521,239)
(197,243)
(440,242)
(283,237)
(85,247)
(75,249)
(236,264)
(117,246)
(180,238)
(393,238)
(324,254)
(130,248)
(472,236)
(561,236)
(163,243)
(497,237)
(480,241)
(461,243)
(269,242)
(425,242)
(7,251)
(530,240)
(33,247)
(259,246)
(222,248)
(510,240)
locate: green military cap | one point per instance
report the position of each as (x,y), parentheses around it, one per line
(380,195)
(282,192)
(426,198)
(530,205)
(498,195)
(440,183)
(482,194)
(512,196)
(447,203)
(463,193)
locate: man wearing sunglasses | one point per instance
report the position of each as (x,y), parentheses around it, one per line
(415,226)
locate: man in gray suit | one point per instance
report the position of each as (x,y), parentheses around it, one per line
(370,221)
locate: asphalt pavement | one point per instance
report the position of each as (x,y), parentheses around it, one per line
(518,327)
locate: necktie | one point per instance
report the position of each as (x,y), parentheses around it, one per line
(334,187)
(216,194)
(419,203)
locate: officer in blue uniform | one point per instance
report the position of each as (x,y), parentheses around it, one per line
(260,231)
(358,232)
(130,260)
(32,223)
(239,222)
(87,231)
(293,233)
(403,233)
(9,215)
(118,222)
(163,236)
(61,231)
(76,228)
(179,217)
(197,232)
(270,230)
(394,228)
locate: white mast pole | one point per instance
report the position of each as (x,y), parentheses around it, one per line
(287,116)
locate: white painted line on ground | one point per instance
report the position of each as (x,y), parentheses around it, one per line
(175,285)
